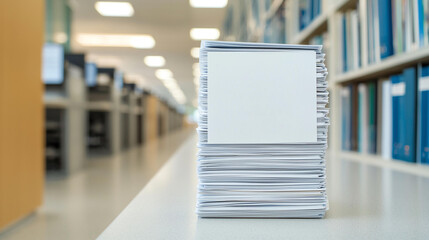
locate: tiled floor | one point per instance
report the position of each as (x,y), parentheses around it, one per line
(82,205)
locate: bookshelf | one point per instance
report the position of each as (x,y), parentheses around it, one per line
(326,24)
(386,67)
(327,21)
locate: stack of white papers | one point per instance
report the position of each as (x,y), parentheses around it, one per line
(262,130)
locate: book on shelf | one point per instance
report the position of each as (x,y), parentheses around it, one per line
(372,117)
(404,115)
(391,27)
(393,125)
(354,117)
(386,119)
(359,117)
(423,115)
(363,121)
(346,118)
(385,28)
(350,41)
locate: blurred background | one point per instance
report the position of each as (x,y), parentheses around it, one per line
(96,95)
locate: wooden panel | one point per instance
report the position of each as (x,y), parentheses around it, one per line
(151,118)
(21,109)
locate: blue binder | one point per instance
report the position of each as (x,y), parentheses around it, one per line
(396,145)
(346,118)
(409,127)
(385,28)
(421,16)
(423,105)
(344,32)
(304,13)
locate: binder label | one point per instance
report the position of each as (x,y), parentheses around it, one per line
(424,84)
(398,89)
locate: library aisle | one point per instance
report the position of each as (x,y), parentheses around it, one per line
(366,202)
(82,205)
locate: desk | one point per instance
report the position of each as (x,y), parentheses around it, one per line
(366,202)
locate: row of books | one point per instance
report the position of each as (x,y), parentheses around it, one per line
(350,42)
(396,27)
(388,116)
(308,11)
(391,26)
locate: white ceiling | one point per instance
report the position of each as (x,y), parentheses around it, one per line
(168,21)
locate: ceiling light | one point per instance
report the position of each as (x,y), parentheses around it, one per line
(195,52)
(116,40)
(204,33)
(208,3)
(195,65)
(164,74)
(114,9)
(154,61)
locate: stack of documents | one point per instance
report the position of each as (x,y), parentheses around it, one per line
(262,130)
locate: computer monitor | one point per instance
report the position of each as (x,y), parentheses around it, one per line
(91,72)
(119,79)
(53,64)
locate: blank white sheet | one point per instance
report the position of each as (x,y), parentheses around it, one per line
(262,97)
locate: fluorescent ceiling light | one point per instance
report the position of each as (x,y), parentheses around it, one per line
(204,33)
(195,52)
(114,9)
(195,65)
(154,61)
(208,3)
(115,40)
(164,74)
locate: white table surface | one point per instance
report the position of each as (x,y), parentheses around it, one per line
(366,202)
